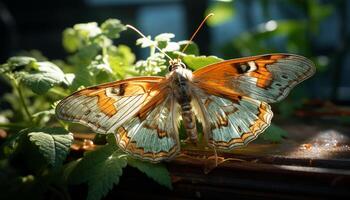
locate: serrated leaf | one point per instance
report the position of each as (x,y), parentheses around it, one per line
(47,76)
(106,176)
(157,172)
(53,143)
(196,62)
(112,28)
(100,169)
(274,133)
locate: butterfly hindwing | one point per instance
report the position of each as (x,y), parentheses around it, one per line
(267,78)
(228,124)
(153,136)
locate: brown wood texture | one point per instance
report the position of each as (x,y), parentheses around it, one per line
(313,162)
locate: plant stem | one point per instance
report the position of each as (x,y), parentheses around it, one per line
(57,92)
(21,98)
(12,125)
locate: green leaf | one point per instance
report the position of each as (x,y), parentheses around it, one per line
(274,133)
(107,174)
(15,62)
(224,11)
(70,41)
(100,169)
(196,62)
(112,28)
(157,172)
(192,48)
(87,31)
(20,61)
(145,42)
(53,143)
(164,37)
(47,76)
(84,170)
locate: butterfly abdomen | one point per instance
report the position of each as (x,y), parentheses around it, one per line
(183,96)
(189,121)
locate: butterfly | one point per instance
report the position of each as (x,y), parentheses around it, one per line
(229,98)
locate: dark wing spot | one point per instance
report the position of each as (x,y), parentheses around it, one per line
(242,68)
(115,90)
(278,84)
(122,89)
(284,76)
(87,112)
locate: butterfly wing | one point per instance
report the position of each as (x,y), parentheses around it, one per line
(231,96)
(267,78)
(152,136)
(231,123)
(139,111)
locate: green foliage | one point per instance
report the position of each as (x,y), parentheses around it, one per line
(44,76)
(223,11)
(53,143)
(274,133)
(36,146)
(196,62)
(100,169)
(157,172)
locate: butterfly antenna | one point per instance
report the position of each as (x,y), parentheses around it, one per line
(155,45)
(195,33)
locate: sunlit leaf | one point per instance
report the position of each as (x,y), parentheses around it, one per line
(196,62)
(145,42)
(70,41)
(112,28)
(53,143)
(47,76)
(192,48)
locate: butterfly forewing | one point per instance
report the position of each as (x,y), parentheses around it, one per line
(268,78)
(105,107)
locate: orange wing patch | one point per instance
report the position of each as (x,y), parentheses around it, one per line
(267,78)
(107,93)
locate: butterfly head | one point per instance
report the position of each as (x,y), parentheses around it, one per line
(175,64)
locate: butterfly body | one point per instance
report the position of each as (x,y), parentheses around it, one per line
(180,79)
(230,99)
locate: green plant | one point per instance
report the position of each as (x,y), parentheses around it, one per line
(34,155)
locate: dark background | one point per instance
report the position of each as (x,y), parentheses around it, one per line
(27,25)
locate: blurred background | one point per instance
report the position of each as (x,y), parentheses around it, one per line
(317,29)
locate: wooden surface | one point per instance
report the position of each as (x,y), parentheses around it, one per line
(312,163)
